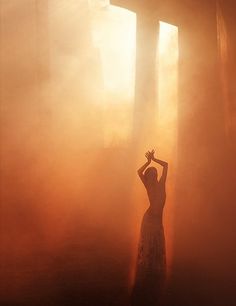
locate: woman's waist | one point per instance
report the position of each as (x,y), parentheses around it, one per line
(156,199)
(157,206)
(155,213)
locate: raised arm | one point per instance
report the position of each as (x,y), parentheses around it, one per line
(144,167)
(165,168)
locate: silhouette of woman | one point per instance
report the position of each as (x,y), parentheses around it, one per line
(151,261)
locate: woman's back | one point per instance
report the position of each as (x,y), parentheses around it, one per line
(157,196)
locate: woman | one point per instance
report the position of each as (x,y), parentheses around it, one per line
(151,262)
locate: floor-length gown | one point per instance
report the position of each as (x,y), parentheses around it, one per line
(151,261)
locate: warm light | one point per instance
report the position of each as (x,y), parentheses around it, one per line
(114,31)
(167,38)
(114,35)
(167,71)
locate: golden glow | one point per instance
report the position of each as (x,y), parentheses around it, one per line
(167,70)
(114,31)
(71,210)
(114,35)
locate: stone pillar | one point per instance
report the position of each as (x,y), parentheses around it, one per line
(201,146)
(226,11)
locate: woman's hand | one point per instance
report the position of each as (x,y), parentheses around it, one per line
(149,155)
(152,154)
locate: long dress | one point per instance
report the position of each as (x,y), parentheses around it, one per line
(151,261)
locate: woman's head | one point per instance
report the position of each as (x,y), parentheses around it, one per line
(151,174)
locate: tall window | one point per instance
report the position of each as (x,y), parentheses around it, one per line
(167,70)
(114,35)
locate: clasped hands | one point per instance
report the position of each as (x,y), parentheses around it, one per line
(150,155)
